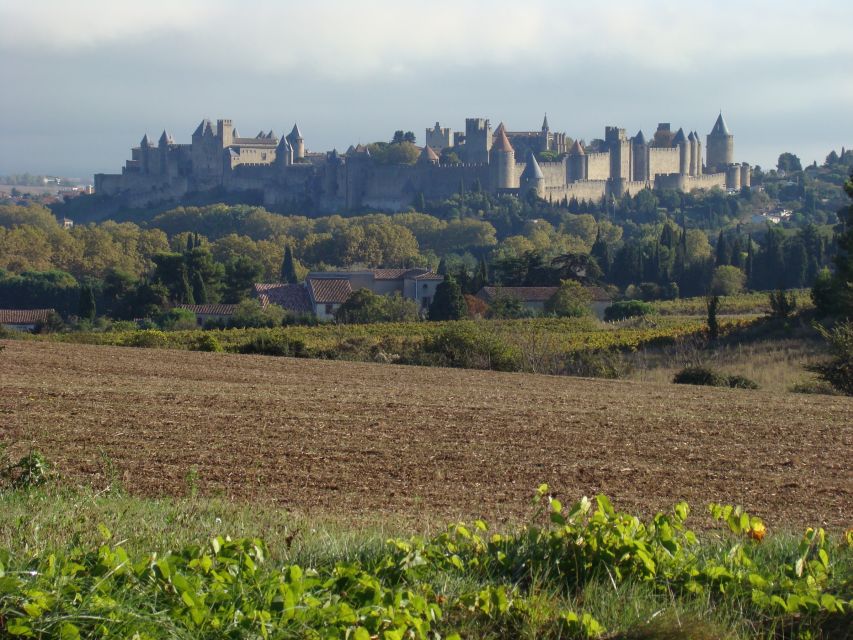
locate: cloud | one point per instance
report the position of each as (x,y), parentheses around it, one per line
(336,38)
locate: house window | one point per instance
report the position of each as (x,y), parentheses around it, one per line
(426,301)
(330,309)
(426,286)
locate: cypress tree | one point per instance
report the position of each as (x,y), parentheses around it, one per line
(185,291)
(288,268)
(86,308)
(448,303)
(601,252)
(749,266)
(420,202)
(722,251)
(442,267)
(199,289)
(190,244)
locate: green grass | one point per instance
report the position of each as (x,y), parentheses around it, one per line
(108,564)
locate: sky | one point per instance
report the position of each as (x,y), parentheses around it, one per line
(82,81)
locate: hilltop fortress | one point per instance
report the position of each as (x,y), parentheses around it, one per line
(282,174)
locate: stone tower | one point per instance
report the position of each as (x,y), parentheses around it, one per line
(478,140)
(297,142)
(620,152)
(225,132)
(720,146)
(681,143)
(532,178)
(439,138)
(576,166)
(691,155)
(502,161)
(545,143)
(640,153)
(284,153)
(699,169)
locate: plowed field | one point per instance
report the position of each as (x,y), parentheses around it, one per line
(369,440)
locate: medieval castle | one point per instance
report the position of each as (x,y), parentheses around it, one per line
(282,173)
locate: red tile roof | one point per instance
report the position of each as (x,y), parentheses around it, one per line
(400,274)
(24,316)
(329,290)
(210,309)
(292,297)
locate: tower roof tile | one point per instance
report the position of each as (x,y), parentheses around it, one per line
(640,138)
(679,138)
(720,128)
(577,149)
(532,171)
(501,141)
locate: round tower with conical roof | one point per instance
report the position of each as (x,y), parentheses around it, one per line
(532,178)
(691,153)
(720,146)
(576,166)
(502,162)
(284,153)
(297,142)
(428,156)
(640,151)
(680,142)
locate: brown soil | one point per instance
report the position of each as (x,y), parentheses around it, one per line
(419,443)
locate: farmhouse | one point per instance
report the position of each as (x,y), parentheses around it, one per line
(534,298)
(210,312)
(24,319)
(323,292)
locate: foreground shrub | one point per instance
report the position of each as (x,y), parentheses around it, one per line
(711,378)
(273,345)
(146,339)
(838,371)
(595,363)
(206,342)
(627,309)
(33,470)
(471,345)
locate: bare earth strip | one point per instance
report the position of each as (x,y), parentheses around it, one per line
(418,443)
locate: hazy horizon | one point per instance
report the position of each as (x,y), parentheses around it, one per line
(85,81)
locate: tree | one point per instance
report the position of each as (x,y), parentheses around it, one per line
(240,274)
(572,300)
(506,306)
(199,288)
(713,305)
(577,266)
(788,162)
(361,307)
(448,302)
(288,268)
(727,281)
(838,371)
(250,313)
(834,295)
(86,309)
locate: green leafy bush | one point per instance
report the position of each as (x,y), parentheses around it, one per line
(627,309)
(148,339)
(206,342)
(838,371)
(267,344)
(711,378)
(471,345)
